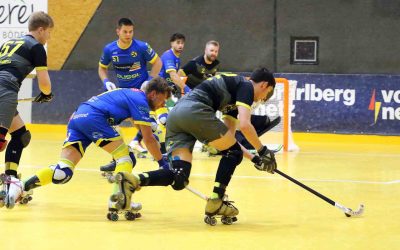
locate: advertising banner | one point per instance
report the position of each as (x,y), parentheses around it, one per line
(356,104)
(14,15)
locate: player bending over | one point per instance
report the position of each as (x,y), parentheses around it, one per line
(93,121)
(193,118)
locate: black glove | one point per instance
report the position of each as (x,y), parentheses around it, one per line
(41,98)
(265,161)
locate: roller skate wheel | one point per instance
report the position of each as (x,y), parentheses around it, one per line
(138,215)
(117,197)
(130,216)
(210,220)
(24,200)
(112,216)
(114,178)
(228,220)
(2,194)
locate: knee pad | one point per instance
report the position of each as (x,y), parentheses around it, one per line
(26,138)
(181,174)
(163,118)
(22,136)
(234,153)
(61,175)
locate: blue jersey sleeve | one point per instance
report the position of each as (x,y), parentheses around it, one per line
(149,54)
(140,110)
(168,61)
(105,57)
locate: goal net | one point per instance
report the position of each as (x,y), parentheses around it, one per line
(279,105)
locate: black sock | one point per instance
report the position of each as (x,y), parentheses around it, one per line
(161,177)
(231,157)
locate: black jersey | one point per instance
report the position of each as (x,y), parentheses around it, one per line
(197,70)
(226,92)
(20,56)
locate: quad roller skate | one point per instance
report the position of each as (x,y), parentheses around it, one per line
(108,169)
(138,149)
(220,208)
(130,214)
(120,202)
(12,192)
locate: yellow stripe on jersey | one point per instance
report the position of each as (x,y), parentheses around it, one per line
(142,123)
(103,66)
(170,70)
(107,139)
(41,68)
(229,117)
(154,59)
(243,105)
(123,47)
(182,73)
(71,143)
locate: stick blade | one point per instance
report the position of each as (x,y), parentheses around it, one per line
(357,213)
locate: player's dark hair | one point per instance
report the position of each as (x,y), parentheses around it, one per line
(40,19)
(263,74)
(158,84)
(177,36)
(125,21)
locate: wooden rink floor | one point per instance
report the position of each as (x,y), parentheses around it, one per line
(274,212)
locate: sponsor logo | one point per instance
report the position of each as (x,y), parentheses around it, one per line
(384,109)
(135,66)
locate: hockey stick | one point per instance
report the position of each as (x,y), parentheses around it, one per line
(194,191)
(30,99)
(347,211)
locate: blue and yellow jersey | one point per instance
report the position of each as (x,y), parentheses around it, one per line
(170,62)
(120,104)
(129,63)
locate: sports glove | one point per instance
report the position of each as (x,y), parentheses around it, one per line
(163,164)
(41,98)
(186,89)
(265,160)
(108,85)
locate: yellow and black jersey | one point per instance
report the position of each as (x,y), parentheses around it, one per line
(197,70)
(20,56)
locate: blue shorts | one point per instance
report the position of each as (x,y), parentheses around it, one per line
(88,125)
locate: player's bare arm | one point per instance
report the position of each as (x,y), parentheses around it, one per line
(247,128)
(231,123)
(44,81)
(103,73)
(177,79)
(150,142)
(156,67)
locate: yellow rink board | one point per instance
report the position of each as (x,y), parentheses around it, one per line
(274,213)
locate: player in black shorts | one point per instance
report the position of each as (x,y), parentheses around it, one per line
(193,118)
(18,57)
(207,65)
